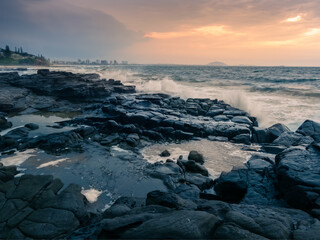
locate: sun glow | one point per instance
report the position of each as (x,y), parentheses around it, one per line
(294,19)
(204,30)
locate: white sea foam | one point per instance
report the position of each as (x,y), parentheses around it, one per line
(18,158)
(91,194)
(52,163)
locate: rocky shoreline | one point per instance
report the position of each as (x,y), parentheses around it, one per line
(275,195)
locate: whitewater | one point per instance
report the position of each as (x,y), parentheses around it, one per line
(287,95)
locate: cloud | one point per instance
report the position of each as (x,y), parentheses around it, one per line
(59,29)
(210,30)
(294,19)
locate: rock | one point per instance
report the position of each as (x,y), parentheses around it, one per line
(196,156)
(273,148)
(4,124)
(277,129)
(192,166)
(232,231)
(170,200)
(242,138)
(221,118)
(176,225)
(7,173)
(29,186)
(49,223)
(231,186)
(298,176)
(133,139)
(288,139)
(219,139)
(32,126)
(261,135)
(116,210)
(165,153)
(202,182)
(309,128)
(241,119)
(112,139)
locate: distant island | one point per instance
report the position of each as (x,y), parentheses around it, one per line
(217,64)
(18,57)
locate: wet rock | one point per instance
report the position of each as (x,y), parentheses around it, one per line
(192,166)
(176,225)
(309,128)
(241,119)
(298,176)
(4,124)
(165,153)
(277,129)
(242,138)
(116,210)
(273,148)
(49,223)
(196,156)
(231,186)
(221,118)
(32,126)
(168,199)
(7,173)
(112,139)
(133,139)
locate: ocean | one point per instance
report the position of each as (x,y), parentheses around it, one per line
(288,95)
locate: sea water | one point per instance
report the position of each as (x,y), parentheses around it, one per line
(288,95)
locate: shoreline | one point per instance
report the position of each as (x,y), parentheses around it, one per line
(115,115)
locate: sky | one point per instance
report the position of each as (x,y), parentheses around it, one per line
(249,32)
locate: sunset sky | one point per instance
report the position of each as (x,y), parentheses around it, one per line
(252,32)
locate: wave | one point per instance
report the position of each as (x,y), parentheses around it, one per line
(286,91)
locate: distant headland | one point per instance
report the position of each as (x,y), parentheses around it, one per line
(217,64)
(19,57)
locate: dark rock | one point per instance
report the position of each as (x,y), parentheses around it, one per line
(309,128)
(242,138)
(299,177)
(196,156)
(221,118)
(261,135)
(116,210)
(277,129)
(170,200)
(165,153)
(32,126)
(192,166)
(176,225)
(219,139)
(231,186)
(133,139)
(112,139)
(4,124)
(241,119)
(288,139)
(273,148)
(49,223)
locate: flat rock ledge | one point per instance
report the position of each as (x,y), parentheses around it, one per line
(31,207)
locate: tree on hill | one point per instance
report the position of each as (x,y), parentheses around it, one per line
(7,52)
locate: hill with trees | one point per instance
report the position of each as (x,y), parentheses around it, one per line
(18,57)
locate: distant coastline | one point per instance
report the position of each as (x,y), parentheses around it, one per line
(20,58)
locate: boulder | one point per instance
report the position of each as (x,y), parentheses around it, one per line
(168,199)
(4,124)
(298,176)
(192,166)
(32,126)
(176,225)
(231,186)
(196,156)
(165,153)
(241,119)
(309,128)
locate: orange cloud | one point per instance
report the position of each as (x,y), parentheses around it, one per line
(214,30)
(294,19)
